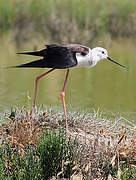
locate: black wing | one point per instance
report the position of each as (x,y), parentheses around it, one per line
(60,57)
(57,56)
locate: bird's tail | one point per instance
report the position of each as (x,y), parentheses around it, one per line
(33,64)
(41,53)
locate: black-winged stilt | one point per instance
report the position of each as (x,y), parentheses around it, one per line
(65,57)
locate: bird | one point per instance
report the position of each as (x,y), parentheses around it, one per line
(65,56)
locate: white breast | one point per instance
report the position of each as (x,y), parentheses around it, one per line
(85,61)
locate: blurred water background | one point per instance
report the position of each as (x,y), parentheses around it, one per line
(30,24)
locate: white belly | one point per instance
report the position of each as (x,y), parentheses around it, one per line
(85,61)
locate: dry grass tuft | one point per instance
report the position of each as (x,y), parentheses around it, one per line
(17,130)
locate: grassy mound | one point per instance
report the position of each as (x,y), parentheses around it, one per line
(95,147)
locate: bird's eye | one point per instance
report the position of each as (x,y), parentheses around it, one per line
(102,52)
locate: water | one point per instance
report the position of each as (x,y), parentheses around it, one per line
(106,86)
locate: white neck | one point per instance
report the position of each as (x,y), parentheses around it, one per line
(84,61)
(96,57)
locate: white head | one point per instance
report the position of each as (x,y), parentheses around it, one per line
(99,53)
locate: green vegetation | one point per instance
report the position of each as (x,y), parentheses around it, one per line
(68,20)
(94,147)
(57,154)
(53,155)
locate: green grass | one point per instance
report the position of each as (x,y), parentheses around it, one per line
(68,20)
(56,153)
(53,154)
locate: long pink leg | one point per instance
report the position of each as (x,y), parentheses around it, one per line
(63,98)
(36,83)
(35,94)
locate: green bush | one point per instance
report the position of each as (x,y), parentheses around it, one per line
(54,154)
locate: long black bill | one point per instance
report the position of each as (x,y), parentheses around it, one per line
(115,62)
